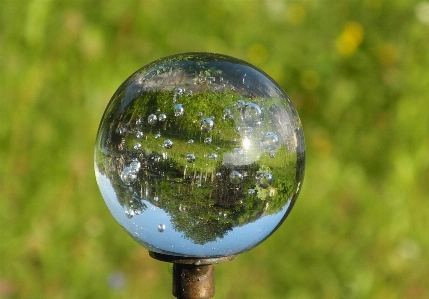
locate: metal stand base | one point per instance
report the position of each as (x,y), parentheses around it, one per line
(193,278)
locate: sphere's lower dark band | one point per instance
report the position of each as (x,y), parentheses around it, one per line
(190,260)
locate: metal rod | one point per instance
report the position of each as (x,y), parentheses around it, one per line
(193,278)
(193,282)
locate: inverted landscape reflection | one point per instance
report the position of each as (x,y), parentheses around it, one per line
(144,227)
(200,155)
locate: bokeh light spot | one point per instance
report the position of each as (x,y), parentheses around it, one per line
(296,14)
(422,12)
(350,38)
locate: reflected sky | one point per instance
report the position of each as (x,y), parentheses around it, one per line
(144,229)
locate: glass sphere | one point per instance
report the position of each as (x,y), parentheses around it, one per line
(200,155)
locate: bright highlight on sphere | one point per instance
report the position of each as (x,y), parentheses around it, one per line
(200,155)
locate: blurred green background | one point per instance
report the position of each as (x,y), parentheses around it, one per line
(358,74)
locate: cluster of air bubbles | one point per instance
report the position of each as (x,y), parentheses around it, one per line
(129,213)
(227,114)
(207,124)
(190,158)
(139,134)
(251,191)
(204,80)
(264,179)
(235,177)
(240,104)
(210,79)
(137,145)
(223,214)
(136,206)
(129,174)
(213,156)
(178,110)
(151,119)
(122,130)
(161,228)
(135,165)
(168,144)
(162,117)
(270,142)
(179,92)
(252,114)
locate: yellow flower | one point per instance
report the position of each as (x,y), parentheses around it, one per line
(350,38)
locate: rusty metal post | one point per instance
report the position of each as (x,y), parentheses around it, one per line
(193,278)
(193,282)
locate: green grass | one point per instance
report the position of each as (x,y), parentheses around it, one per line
(357,72)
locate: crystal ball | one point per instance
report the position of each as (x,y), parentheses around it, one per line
(200,155)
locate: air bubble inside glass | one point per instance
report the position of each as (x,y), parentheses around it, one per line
(200,155)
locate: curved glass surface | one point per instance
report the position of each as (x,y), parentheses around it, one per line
(199,155)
